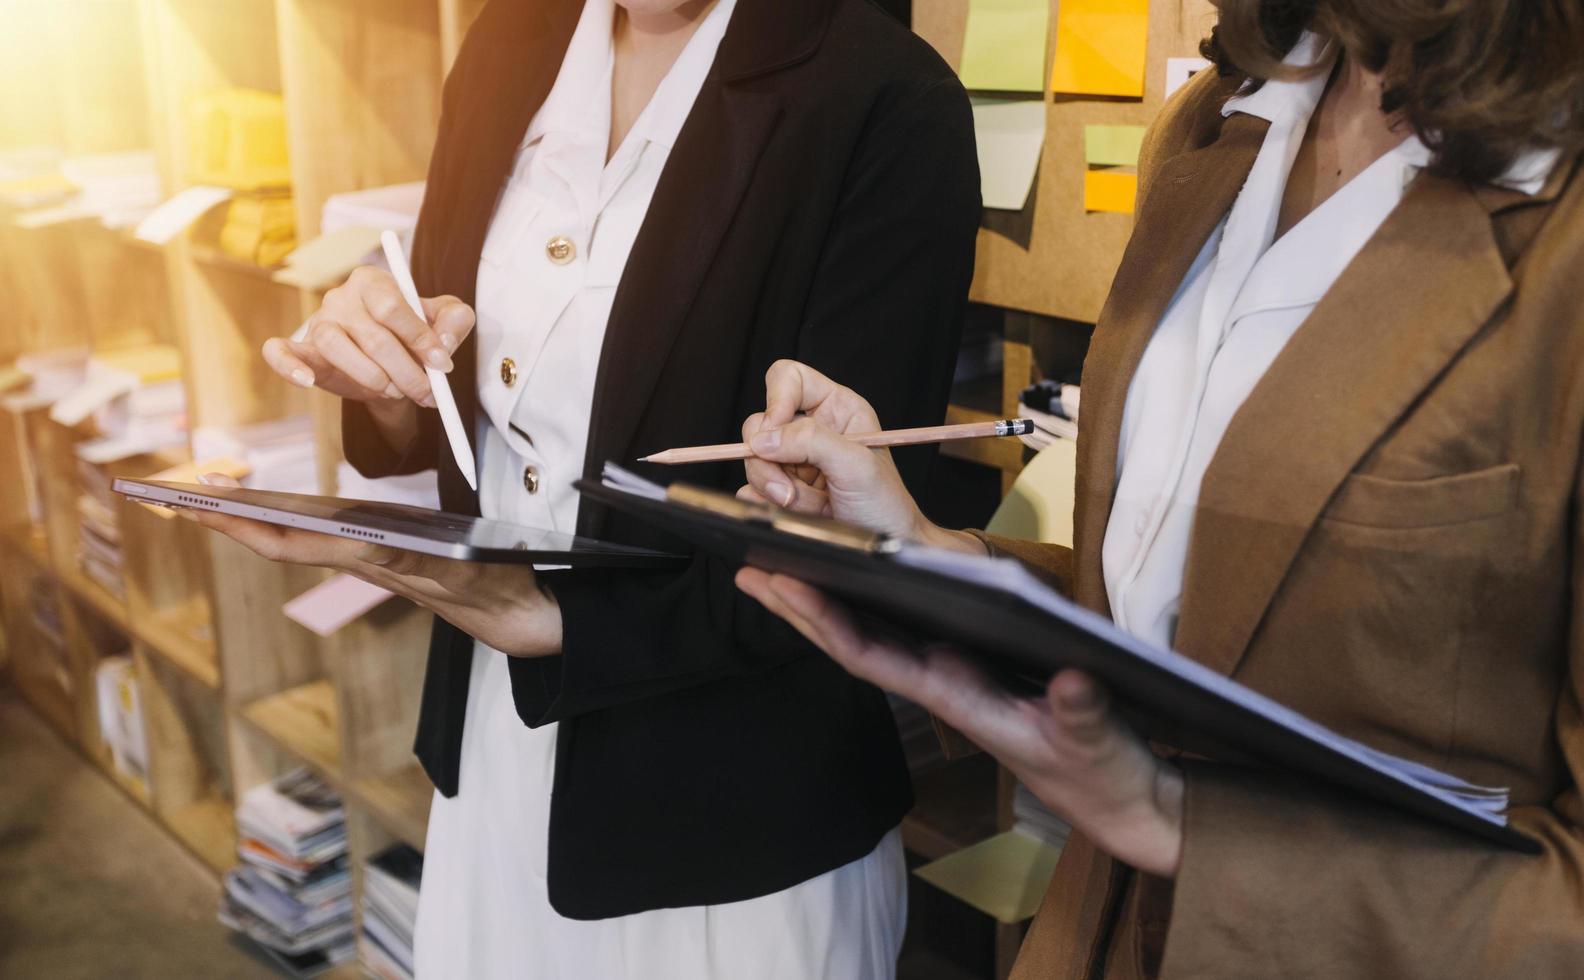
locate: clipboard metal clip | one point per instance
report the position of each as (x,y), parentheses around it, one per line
(788,522)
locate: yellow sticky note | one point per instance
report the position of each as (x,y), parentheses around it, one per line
(1004,876)
(1110,190)
(1004,45)
(1112,146)
(1100,47)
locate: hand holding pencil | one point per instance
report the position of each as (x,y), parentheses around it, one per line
(816,463)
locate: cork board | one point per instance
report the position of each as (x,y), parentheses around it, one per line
(1054,258)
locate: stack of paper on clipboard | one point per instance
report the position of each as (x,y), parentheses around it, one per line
(1004,616)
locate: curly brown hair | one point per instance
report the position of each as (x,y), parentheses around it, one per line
(1480,81)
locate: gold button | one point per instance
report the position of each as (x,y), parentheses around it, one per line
(508,372)
(561,250)
(530,479)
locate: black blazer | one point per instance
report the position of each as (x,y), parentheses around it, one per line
(820,203)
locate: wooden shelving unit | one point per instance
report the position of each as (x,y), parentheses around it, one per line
(232,693)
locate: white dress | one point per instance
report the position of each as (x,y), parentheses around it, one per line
(1245,296)
(551,263)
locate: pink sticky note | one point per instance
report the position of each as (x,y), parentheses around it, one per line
(333,603)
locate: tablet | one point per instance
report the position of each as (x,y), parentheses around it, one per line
(431,532)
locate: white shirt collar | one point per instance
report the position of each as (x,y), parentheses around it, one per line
(579,101)
(1293,101)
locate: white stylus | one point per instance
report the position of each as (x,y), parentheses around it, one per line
(438,383)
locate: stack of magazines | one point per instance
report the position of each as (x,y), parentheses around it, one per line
(99,543)
(390,911)
(293,892)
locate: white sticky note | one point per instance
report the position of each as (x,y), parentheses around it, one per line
(1010,135)
(333,603)
(172,218)
(1179,70)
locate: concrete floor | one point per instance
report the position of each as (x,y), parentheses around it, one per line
(90,886)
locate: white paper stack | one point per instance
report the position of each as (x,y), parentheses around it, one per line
(1031,817)
(293,892)
(116,189)
(280,454)
(349,230)
(51,375)
(121,715)
(394,207)
(136,399)
(390,911)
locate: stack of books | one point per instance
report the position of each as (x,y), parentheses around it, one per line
(293,892)
(349,230)
(44,606)
(390,911)
(277,455)
(116,189)
(1034,819)
(135,398)
(99,543)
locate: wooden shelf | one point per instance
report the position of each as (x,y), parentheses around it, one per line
(208,828)
(28,540)
(399,802)
(302,720)
(109,607)
(210,256)
(183,636)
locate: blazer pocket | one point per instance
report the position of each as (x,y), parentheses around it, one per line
(1373,501)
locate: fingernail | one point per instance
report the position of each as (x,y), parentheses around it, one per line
(766,442)
(427,401)
(439,358)
(780,492)
(392,392)
(448,342)
(303,377)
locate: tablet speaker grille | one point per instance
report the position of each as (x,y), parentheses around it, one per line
(197,501)
(358,532)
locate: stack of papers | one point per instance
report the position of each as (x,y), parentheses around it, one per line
(349,230)
(136,399)
(1034,819)
(293,893)
(390,911)
(51,374)
(1054,409)
(278,455)
(99,540)
(116,189)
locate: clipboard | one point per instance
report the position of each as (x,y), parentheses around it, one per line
(1023,632)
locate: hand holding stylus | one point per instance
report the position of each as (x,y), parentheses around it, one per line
(365,343)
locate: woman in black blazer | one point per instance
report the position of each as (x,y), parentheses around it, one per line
(819,203)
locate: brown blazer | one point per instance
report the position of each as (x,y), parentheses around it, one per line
(1388,540)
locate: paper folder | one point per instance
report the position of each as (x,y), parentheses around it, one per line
(1005,617)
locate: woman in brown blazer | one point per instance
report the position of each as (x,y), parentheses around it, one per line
(1367,509)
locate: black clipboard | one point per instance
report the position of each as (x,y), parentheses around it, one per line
(1025,635)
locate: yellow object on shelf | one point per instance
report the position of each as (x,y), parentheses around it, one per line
(238,140)
(260,227)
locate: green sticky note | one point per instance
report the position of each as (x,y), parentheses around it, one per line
(1003,877)
(1112,146)
(1004,45)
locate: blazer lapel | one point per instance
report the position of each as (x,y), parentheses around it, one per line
(1409,303)
(1187,199)
(705,178)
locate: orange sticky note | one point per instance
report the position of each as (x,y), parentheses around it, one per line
(1110,190)
(1100,47)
